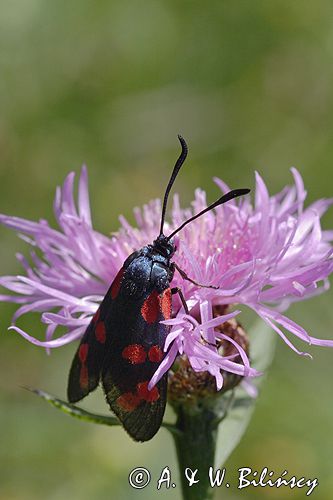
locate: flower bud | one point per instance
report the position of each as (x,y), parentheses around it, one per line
(191,388)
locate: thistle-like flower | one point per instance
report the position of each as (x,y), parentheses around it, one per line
(264,256)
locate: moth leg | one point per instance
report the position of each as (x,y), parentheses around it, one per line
(206,341)
(181,296)
(183,301)
(187,278)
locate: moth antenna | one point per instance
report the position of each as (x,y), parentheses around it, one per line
(226,197)
(174,174)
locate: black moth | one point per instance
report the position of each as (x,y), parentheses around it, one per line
(123,344)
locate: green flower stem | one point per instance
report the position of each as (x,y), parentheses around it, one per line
(195,445)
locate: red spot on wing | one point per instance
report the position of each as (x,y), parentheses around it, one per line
(83,352)
(96,316)
(100,332)
(128,401)
(134,353)
(144,393)
(155,354)
(166,303)
(151,308)
(84,379)
(115,287)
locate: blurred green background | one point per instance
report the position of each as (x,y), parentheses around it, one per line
(110,83)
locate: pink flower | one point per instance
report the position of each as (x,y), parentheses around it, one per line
(264,256)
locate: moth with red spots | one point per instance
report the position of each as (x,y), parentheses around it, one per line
(123,344)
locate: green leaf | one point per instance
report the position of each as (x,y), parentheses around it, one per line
(238,416)
(76,412)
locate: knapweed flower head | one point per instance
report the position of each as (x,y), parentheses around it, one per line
(265,256)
